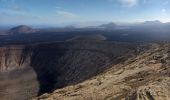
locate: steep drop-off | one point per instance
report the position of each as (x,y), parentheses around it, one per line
(30,70)
(145,76)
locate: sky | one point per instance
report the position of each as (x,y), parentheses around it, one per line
(88,12)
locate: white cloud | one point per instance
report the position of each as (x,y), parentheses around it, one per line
(144,1)
(129,3)
(9,1)
(164,10)
(7,18)
(65,14)
(58,7)
(166,2)
(16,8)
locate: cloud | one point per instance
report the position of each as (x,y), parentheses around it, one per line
(129,3)
(4,0)
(164,10)
(144,1)
(166,2)
(9,1)
(16,8)
(58,7)
(7,18)
(65,14)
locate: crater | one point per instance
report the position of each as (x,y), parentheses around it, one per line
(31,70)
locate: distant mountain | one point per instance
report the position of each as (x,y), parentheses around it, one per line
(108,26)
(156,22)
(155,26)
(22,29)
(96,37)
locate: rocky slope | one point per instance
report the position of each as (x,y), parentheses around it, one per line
(144,76)
(30,70)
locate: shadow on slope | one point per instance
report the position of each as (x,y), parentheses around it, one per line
(60,64)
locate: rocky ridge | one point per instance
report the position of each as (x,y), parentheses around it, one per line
(142,77)
(31,70)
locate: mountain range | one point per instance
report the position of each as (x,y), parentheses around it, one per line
(147,26)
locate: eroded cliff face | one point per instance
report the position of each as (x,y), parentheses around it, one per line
(31,70)
(18,80)
(14,57)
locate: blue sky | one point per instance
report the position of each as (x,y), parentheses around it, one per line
(63,12)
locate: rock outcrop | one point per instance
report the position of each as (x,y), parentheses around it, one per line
(159,90)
